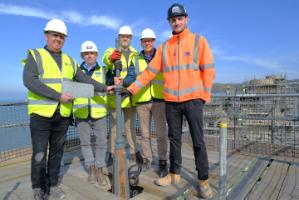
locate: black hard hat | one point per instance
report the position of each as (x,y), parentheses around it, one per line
(176,10)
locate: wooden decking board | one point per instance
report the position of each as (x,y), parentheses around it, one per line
(14,171)
(235,164)
(290,189)
(76,187)
(10,187)
(21,190)
(236,173)
(240,190)
(11,196)
(188,174)
(86,190)
(8,191)
(145,195)
(147,181)
(270,183)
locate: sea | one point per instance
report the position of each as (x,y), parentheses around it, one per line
(14,125)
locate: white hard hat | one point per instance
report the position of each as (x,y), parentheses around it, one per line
(148,33)
(56,25)
(89,46)
(125,30)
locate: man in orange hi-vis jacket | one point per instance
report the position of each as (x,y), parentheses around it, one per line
(188,72)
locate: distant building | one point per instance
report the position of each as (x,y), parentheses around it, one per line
(261,109)
(272,84)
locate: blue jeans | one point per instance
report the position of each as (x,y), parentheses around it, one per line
(45,169)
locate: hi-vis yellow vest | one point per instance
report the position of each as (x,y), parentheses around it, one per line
(52,76)
(154,89)
(133,58)
(97,104)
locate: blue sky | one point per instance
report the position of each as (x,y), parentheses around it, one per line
(249,38)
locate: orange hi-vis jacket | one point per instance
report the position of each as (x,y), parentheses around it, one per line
(188,68)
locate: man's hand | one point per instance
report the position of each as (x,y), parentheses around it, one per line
(110,89)
(65,98)
(116,55)
(125,93)
(118,81)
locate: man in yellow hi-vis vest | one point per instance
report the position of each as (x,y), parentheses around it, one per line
(150,103)
(90,115)
(49,108)
(129,59)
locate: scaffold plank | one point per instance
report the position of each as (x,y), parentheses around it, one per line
(290,189)
(270,182)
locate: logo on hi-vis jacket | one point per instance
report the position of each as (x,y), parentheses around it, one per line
(187,53)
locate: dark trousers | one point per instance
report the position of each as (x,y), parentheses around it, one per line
(44,131)
(193,111)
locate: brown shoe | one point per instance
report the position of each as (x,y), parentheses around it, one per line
(169,179)
(205,189)
(101,178)
(91,174)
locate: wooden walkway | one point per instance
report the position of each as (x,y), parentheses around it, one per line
(247,178)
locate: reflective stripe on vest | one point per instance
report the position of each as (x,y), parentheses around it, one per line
(183,91)
(153,90)
(51,75)
(157,86)
(41,102)
(94,107)
(78,106)
(136,65)
(158,82)
(181,67)
(41,69)
(198,85)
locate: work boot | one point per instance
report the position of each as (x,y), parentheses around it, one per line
(39,194)
(169,179)
(205,189)
(101,178)
(91,174)
(163,171)
(56,193)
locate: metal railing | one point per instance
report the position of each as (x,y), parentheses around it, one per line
(258,124)
(264,124)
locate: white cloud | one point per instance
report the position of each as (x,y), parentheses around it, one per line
(74,17)
(262,62)
(165,35)
(69,16)
(104,21)
(269,63)
(24,11)
(217,50)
